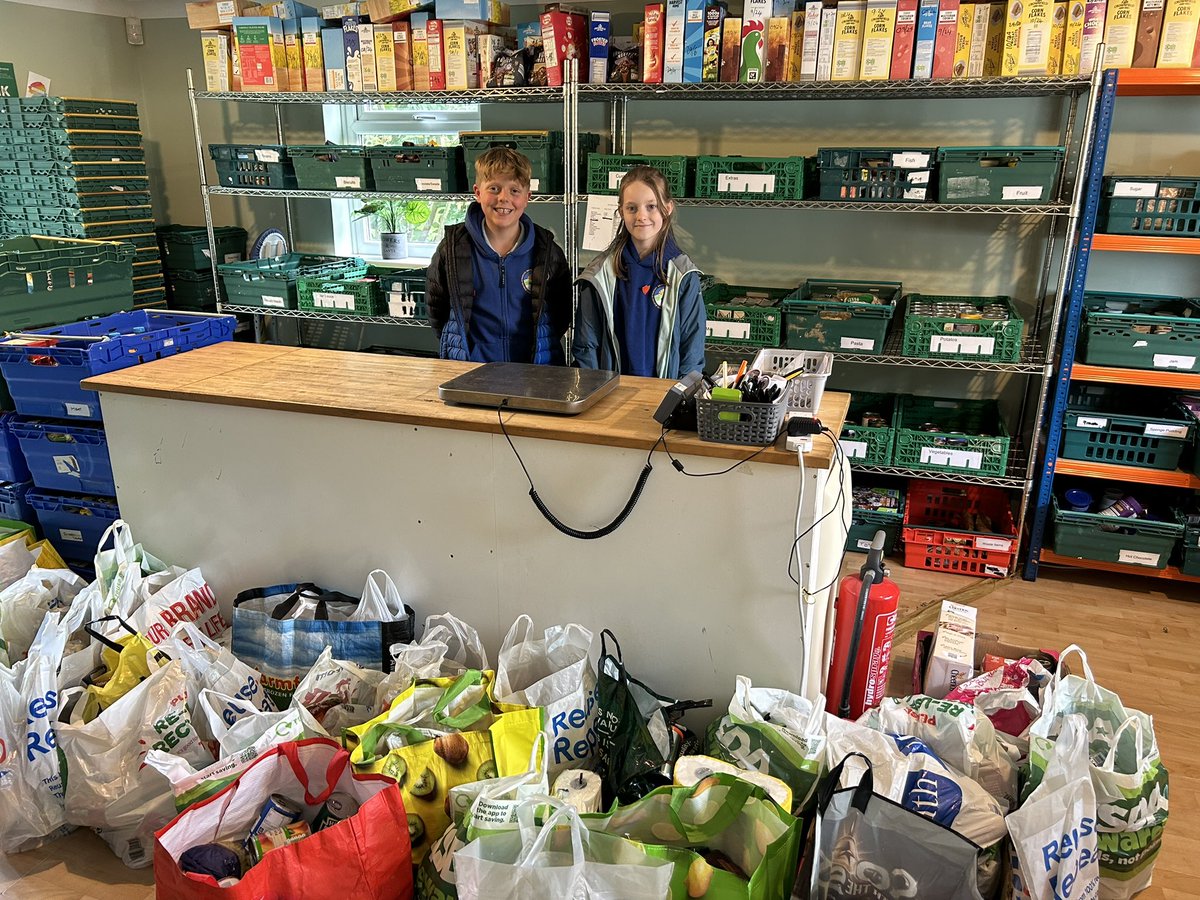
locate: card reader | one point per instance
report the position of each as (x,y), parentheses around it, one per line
(681,391)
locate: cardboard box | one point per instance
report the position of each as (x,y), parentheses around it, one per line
(826,41)
(904,40)
(491,11)
(366,56)
(529,33)
(1058,37)
(491,45)
(1120,33)
(1180,22)
(979,33)
(564,36)
(295,57)
(284,9)
(235,62)
(952,660)
(693,42)
(402,49)
(795,56)
(1149,30)
(599,35)
(946,39)
(1094,15)
(754,33)
(385,57)
(218,68)
(675,17)
(993,56)
(962,40)
(847,46)
(1035,37)
(778,39)
(461,40)
(1014,21)
(731,48)
(261,53)
(812,40)
(653,43)
(333,49)
(350,37)
(420,51)
(437,54)
(1073,39)
(382,11)
(341,10)
(314,57)
(985,645)
(926,39)
(209,15)
(879,29)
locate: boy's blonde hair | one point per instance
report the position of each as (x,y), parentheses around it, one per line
(503,163)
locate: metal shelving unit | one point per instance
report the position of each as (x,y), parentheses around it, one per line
(842,90)
(358,195)
(1052,209)
(320,316)
(1128,83)
(1018,461)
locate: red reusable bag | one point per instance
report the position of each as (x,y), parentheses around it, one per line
(366,856)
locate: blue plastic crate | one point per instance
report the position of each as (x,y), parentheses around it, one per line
(12,460)
(43,375)
(13,504)
(74,524)
(66,456)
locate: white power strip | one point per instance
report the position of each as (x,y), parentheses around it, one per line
(803,443)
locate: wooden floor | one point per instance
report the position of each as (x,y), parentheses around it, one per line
(1140,636)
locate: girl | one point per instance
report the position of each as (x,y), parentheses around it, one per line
(640,310)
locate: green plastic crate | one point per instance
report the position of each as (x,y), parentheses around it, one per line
(404,293)
(185,247)
(945,435)
(822,314)
(192,291)
(47,281)
(876,174)
(1138,331)
(605,171)
(743,316)
(123,228)
(755,177)
(253,165)
(359,296)
(79,106)
(1100,425)
(1138,542)
(113,213)
(83,138)
(865,522)
(107,154)
(870,445)
(998,176)
(272,283)
(406,169)
(1189,543)
(1149,205)
(331,167)
(544,149)
(962,336)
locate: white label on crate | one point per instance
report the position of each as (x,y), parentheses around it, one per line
(914,193)
(1135,189)
(332,300)
(78,409)
(169,342)
(1163,361)
(347,181)
(960,459)
(614,179)
(731,183)
(116,159)
(1138,558)
(965,344)
(1018,192)
(1169,431)
(946,404)
(268,300)
(852,343)
(717,328)
(918,177)
(117,188)
(207,255)
(1087,422)
(854,449)
(70,534)
(429,184)
(982,543)
(267,156)
(864,545)
(66,465)
(233,257)
(1137,344)
(910,160)
(534,184)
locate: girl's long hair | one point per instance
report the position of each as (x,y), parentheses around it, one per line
(657,183)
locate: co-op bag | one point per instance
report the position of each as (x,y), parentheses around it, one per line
(281,630)
(364,857)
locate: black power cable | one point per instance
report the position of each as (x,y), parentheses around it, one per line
(839,506)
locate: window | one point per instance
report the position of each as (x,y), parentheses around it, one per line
(377,124)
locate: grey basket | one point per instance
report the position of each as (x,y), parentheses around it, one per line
(757,423)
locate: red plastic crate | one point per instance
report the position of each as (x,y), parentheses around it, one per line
(937,534)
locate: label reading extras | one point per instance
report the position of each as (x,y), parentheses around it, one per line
(1135,189)
(735,183)
(429,184)
(1138,558)
(1163,361)
(66,465)
(262,154)
(960,459)
(1089,422)
(331,300)
(269,300)
(1169,431)
(78,409)
(982,543)
(853,343)
(864,545)
(910,160)
(1019,192)
(347,181)
(964,344)
(854,449)
(70,534)
(717,328)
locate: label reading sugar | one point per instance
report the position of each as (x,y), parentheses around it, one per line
(347,181)
(734,183)
(1090,422)
(263,154)
(66,465)
(1135,189)
(1019,192)
(1170,431)
(332,300)
(853,343)
(910,160)
(429,184)
(70,534)
(1138,558)
(269,300)
(960,459)
(1163,361)
(864,545)
(982,543)
(78,409)
(717,328)
(964,344)
(854,449)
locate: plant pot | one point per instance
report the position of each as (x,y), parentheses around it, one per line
(395,245)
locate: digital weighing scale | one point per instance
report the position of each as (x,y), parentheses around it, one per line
(553,389)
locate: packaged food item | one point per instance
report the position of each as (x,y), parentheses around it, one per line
(953,658)
(264,843)
(337,808)
(276,812)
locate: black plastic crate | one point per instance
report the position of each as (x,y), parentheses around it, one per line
(186,246)
(877,174)
(253,165)
(410,169)
(1148,205)
(545,151)
(331,167)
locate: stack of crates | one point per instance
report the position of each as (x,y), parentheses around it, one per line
(76,168)
(56,447)
(189,264)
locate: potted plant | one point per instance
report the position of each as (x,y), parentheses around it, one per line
(392,217)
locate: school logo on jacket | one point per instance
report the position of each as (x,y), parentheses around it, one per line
(657,295)
(527,280)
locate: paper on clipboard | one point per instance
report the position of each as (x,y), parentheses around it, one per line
(600,221)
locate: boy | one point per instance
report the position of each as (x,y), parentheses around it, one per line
(498,288)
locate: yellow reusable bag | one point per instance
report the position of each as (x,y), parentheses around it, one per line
(125,666)
(440,733)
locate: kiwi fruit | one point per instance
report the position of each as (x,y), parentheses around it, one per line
(486,770)
(416,829)
(425,785)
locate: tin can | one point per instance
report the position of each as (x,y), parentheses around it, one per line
(262,844)
(337,808)
(276,812)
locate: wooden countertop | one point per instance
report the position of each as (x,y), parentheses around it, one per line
(404,389)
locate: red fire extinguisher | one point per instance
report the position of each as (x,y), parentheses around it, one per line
(865,619)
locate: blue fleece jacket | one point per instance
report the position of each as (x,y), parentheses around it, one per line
(637,310)
(501,325)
